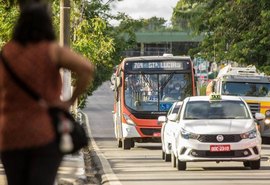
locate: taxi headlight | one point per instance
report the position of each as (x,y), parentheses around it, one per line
(189,135)
(128,120)
(250,134)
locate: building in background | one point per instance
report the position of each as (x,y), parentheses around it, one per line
(158,43)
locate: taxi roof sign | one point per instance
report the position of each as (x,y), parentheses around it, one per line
(214,97)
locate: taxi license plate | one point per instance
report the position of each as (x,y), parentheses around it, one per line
(156,134)
(220,148)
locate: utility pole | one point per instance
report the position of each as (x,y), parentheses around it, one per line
(65,41)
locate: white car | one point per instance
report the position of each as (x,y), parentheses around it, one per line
(215,128)
(168,123)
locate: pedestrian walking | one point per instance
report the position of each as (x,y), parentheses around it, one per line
(28,149)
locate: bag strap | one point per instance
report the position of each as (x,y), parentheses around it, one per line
(34,95)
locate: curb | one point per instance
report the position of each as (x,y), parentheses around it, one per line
(92,171)
(104,172)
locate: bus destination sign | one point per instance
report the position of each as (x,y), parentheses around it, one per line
(168,65)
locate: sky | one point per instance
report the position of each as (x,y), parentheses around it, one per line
(145,8)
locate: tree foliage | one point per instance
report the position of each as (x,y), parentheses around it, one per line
(235,30)
(91,34)
(89,37)
(7,20)
(152,24)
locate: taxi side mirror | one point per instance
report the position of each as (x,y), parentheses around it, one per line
(172,117)
(161,120)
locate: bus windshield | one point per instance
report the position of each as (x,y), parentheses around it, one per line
(246,89)
(156,92)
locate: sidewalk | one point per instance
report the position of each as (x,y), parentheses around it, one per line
(71,171)
(2,175)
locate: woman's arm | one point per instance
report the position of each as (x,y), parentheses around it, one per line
(83,68)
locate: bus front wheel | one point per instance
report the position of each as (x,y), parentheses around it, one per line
(126,143)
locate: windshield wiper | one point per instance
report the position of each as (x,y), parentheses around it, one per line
(168,79)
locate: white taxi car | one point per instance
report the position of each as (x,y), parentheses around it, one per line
(168,122)
(215,128)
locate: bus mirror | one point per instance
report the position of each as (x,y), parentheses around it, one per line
(118,81)
(172,117)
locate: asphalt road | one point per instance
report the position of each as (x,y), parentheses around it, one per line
(143,164)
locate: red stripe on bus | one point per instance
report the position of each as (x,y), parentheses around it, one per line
(265,107)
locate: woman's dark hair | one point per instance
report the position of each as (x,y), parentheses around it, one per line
(34,24)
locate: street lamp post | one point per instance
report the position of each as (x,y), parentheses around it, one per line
(65,41)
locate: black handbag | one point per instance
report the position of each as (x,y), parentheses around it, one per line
(60,119)
(70,134)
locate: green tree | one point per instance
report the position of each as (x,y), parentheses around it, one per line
(7,20)
(91,34)
(154,24)
(234,30)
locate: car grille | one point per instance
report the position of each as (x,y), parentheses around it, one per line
(149,131)
(232,138)
(231,154)
(254,107)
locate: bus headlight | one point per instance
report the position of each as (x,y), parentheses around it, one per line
(267,121)
(189,135)
(128,120)
(250,134)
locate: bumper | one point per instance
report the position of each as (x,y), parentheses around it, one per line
(245,150)
(131,131)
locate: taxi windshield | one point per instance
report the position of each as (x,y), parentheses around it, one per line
(216,110)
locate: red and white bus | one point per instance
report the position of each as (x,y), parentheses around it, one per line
(145,88)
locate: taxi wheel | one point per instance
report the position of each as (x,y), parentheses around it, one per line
(246,164)
(173,160)
(255,165)
(126,144)
(167,157)
(163,154)
(132,144)
(119,144)
(181,166)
